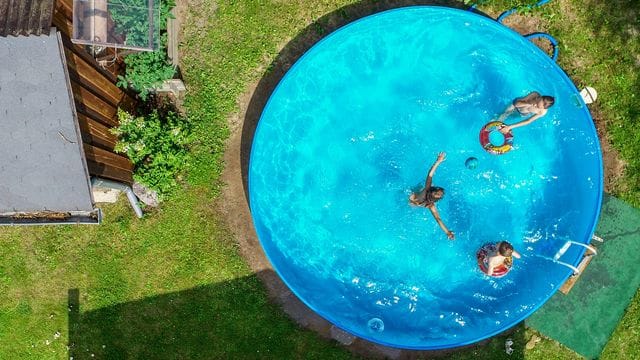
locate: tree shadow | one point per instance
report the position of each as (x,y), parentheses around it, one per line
(230,320)
(494,348)
(616,24)
(227,320)
(298,46)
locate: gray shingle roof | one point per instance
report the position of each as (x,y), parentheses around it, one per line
(42,167)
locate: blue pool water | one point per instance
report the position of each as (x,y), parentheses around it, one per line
(353,128)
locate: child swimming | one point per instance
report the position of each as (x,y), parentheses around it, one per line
(498,256)
(430,194)
(532,104)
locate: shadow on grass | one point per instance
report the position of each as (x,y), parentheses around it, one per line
(228,320)
(616,26)
(298,46)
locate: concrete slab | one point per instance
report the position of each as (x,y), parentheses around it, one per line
(105,195)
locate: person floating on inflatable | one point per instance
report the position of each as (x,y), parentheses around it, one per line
(430,194)
(496,259)
(532,104)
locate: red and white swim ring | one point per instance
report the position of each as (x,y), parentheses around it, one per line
(483,254)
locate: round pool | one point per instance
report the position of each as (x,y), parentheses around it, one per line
(353,128)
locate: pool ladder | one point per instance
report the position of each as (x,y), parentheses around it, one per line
(585,259)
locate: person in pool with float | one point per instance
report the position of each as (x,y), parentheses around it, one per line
(430,194)
(532,104)
(501,254)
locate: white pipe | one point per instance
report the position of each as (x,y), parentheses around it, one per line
(133,200)
(593,250)
(564,249)
(575,269)
(566,246)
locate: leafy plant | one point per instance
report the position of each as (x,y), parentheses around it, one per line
(145,70)
(131,20)
(156,144)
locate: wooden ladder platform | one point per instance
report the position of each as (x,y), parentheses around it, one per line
(571,281)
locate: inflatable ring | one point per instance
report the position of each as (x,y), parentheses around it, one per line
(482,256)
(487,145)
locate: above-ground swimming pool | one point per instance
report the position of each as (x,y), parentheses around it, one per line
(352,130)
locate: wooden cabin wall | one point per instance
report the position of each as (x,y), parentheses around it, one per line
(97,99)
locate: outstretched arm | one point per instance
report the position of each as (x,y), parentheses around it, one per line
(505,129)
(441,157)
(436,215)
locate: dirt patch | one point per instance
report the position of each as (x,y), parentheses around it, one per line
(613,165)
(524,24)
(233,203)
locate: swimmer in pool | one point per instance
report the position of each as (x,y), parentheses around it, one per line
(428,196)
(532,104)
(502,254)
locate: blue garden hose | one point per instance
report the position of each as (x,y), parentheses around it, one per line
(505,14)
(553,42)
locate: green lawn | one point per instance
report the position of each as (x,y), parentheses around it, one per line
(172,285)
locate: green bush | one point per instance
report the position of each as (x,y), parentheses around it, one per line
(156,144)
(145,70)
(131,19)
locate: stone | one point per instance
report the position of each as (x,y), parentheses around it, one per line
(341,336)
(173,86)
(147,196)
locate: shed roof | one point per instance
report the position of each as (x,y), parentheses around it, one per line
(42,167)
(25,17)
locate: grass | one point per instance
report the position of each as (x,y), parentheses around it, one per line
(607,37)
(172,285)
(169,286)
